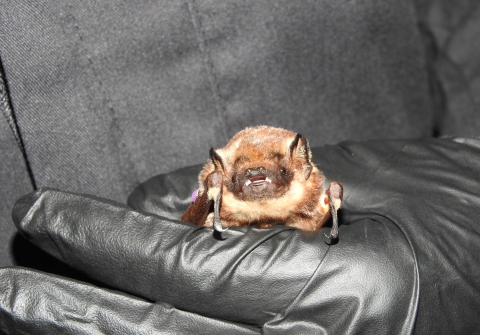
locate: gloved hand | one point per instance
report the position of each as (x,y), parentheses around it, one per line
(408,249)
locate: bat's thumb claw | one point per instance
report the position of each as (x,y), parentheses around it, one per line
(219,233)
(220,229)
(333,235)
(217,227)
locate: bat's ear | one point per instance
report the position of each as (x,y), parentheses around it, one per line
(300,150)
(217,160)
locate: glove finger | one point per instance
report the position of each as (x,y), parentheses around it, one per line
(33,302)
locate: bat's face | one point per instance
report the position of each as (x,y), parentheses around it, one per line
(263,163)
(256,174)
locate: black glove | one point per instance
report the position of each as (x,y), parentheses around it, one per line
(406,258)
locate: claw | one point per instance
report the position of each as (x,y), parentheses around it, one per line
(335,196)
(334,231)
(217,224)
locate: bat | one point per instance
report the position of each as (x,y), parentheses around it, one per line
(262,177)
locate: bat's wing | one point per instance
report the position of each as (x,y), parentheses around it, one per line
(197,212)
(335,197)
(206,202)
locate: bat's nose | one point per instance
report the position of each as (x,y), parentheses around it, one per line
(253,172)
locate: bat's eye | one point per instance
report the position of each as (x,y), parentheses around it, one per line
(282,170)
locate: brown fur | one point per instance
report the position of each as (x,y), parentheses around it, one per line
(263,176)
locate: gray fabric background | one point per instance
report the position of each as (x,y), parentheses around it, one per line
(454,27)
(108,94)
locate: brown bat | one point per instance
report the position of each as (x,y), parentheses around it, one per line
(264,176)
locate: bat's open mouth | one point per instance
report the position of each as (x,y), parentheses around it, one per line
(257,181)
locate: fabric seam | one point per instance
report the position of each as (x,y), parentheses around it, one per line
(9,114)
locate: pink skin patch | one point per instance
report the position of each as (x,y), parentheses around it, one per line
(194,195)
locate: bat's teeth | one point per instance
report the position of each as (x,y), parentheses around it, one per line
(258,180)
